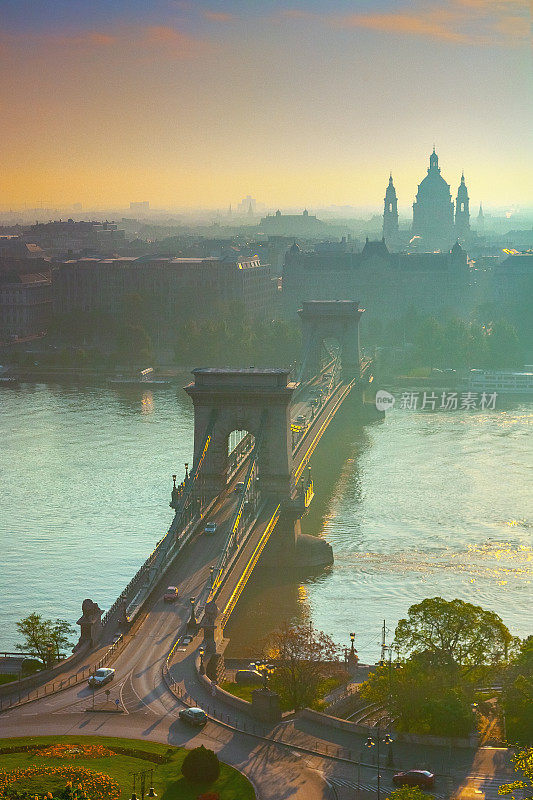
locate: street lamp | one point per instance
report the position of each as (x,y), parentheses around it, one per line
(186,470)
(266,670)
(202,667)
(370,743)
(142,783)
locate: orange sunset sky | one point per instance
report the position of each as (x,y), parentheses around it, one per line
(303,103)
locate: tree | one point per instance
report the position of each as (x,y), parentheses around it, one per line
(409,793)
(303,657)
(517,696)
(522,788)
(43,638)
(503,345)
(454,631)
(423,696)
(201,766)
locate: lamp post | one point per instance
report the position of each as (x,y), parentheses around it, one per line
(186,471)
(142,783)
(202,666)
(370,743)
(266,670)
(192,623)
(353,657)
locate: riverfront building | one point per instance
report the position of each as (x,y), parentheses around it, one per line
(172,289)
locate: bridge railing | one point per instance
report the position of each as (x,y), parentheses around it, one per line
(249,493)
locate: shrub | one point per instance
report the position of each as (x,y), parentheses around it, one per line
(201,766)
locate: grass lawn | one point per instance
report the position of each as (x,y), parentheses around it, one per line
(244,691)
(135,756)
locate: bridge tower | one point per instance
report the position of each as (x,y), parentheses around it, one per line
(330,319)
(253,400)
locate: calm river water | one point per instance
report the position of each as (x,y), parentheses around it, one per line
(421,504)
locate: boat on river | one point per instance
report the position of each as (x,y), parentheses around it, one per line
(519,383)
(144,378)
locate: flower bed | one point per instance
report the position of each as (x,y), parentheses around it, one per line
(71,751)
(40,780)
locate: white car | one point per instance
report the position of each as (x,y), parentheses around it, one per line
(211,527)
(101,676)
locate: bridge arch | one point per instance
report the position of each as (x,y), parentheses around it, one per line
(255,400)
(330,319)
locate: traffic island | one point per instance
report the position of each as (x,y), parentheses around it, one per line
(108,768)
(109,707)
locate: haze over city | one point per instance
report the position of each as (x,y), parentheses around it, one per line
(266,382)
(303,104)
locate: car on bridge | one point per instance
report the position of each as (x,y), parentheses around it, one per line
(193,716)
(414,777)
(101,677)
(211,527)
(171,594)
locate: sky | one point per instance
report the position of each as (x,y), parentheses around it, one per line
(299,103)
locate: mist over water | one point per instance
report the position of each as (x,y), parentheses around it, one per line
(421,504)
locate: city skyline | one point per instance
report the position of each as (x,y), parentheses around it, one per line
(189,105)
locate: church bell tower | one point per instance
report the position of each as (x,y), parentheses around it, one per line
(390,216)
(462,211)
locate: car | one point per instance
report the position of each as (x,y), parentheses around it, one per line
(301,419)
(170,594)
(248,677)
(239,487)
(193,716)
(101,677)
(414,777)
(211,527)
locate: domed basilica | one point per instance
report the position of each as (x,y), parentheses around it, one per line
(436,222)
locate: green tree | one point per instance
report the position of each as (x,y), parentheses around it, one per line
(522,787)
(517,696)
(423,696)
(43,638)
(429,342)
(201,766)
(503,345)
(409,793)
(303,657)
(454,631)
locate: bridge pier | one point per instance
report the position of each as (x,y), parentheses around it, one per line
(253,400)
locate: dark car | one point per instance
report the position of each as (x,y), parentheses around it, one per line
(193,716)
(415,777)
(101,677)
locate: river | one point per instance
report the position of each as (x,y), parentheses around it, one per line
(418,505)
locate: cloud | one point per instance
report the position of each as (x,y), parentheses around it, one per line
(140,40)
(475,22)
(218,16)
(403,23)
(169,40)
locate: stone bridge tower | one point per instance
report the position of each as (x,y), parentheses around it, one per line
(330,319)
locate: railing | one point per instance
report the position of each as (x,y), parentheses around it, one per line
(233,536)
(20,697)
